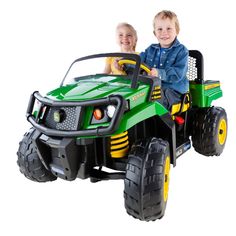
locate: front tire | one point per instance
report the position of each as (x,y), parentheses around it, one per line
(29,162)
(209,131)
(147,179)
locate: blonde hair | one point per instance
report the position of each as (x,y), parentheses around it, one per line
(167,14)
(131,28)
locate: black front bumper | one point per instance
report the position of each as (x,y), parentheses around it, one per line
(117,100)
(64,157)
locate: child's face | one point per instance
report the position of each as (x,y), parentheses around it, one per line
(126,39)
(165,31)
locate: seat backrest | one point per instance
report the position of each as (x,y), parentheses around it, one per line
(195,67)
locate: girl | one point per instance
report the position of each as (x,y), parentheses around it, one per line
(126,37)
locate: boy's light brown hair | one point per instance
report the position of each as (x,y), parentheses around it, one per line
(167,14)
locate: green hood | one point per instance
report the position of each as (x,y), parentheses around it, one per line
(99,86)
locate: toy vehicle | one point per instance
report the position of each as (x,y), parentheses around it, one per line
(118,121)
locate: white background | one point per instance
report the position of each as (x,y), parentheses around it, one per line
(38,41)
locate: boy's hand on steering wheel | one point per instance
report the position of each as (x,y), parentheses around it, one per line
(154,72)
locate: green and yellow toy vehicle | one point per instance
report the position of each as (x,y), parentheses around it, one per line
(95,120)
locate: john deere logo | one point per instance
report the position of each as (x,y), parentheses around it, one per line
(58,116)
(135,97)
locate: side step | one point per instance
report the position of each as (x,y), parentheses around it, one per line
(183,148)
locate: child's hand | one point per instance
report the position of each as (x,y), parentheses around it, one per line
(116,65)
(116,68)
(154,72)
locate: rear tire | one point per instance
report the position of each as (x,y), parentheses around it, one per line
(147,179)
(209,131)
(29,162)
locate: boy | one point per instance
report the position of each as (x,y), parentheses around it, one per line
(169,58)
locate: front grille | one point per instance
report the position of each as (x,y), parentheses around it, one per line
(71,120)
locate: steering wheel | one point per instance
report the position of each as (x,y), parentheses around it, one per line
(145,70)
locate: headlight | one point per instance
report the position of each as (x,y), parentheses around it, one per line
(98,114)
(111,110)
(59,116)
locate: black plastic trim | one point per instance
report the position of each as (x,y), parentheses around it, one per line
(118,100)
(97,175)
(169,134)
(199,64)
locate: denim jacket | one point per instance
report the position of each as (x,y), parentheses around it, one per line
(172,66)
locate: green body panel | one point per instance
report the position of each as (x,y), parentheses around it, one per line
(101,86)
(139,114)
(133,117)
(203,97)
